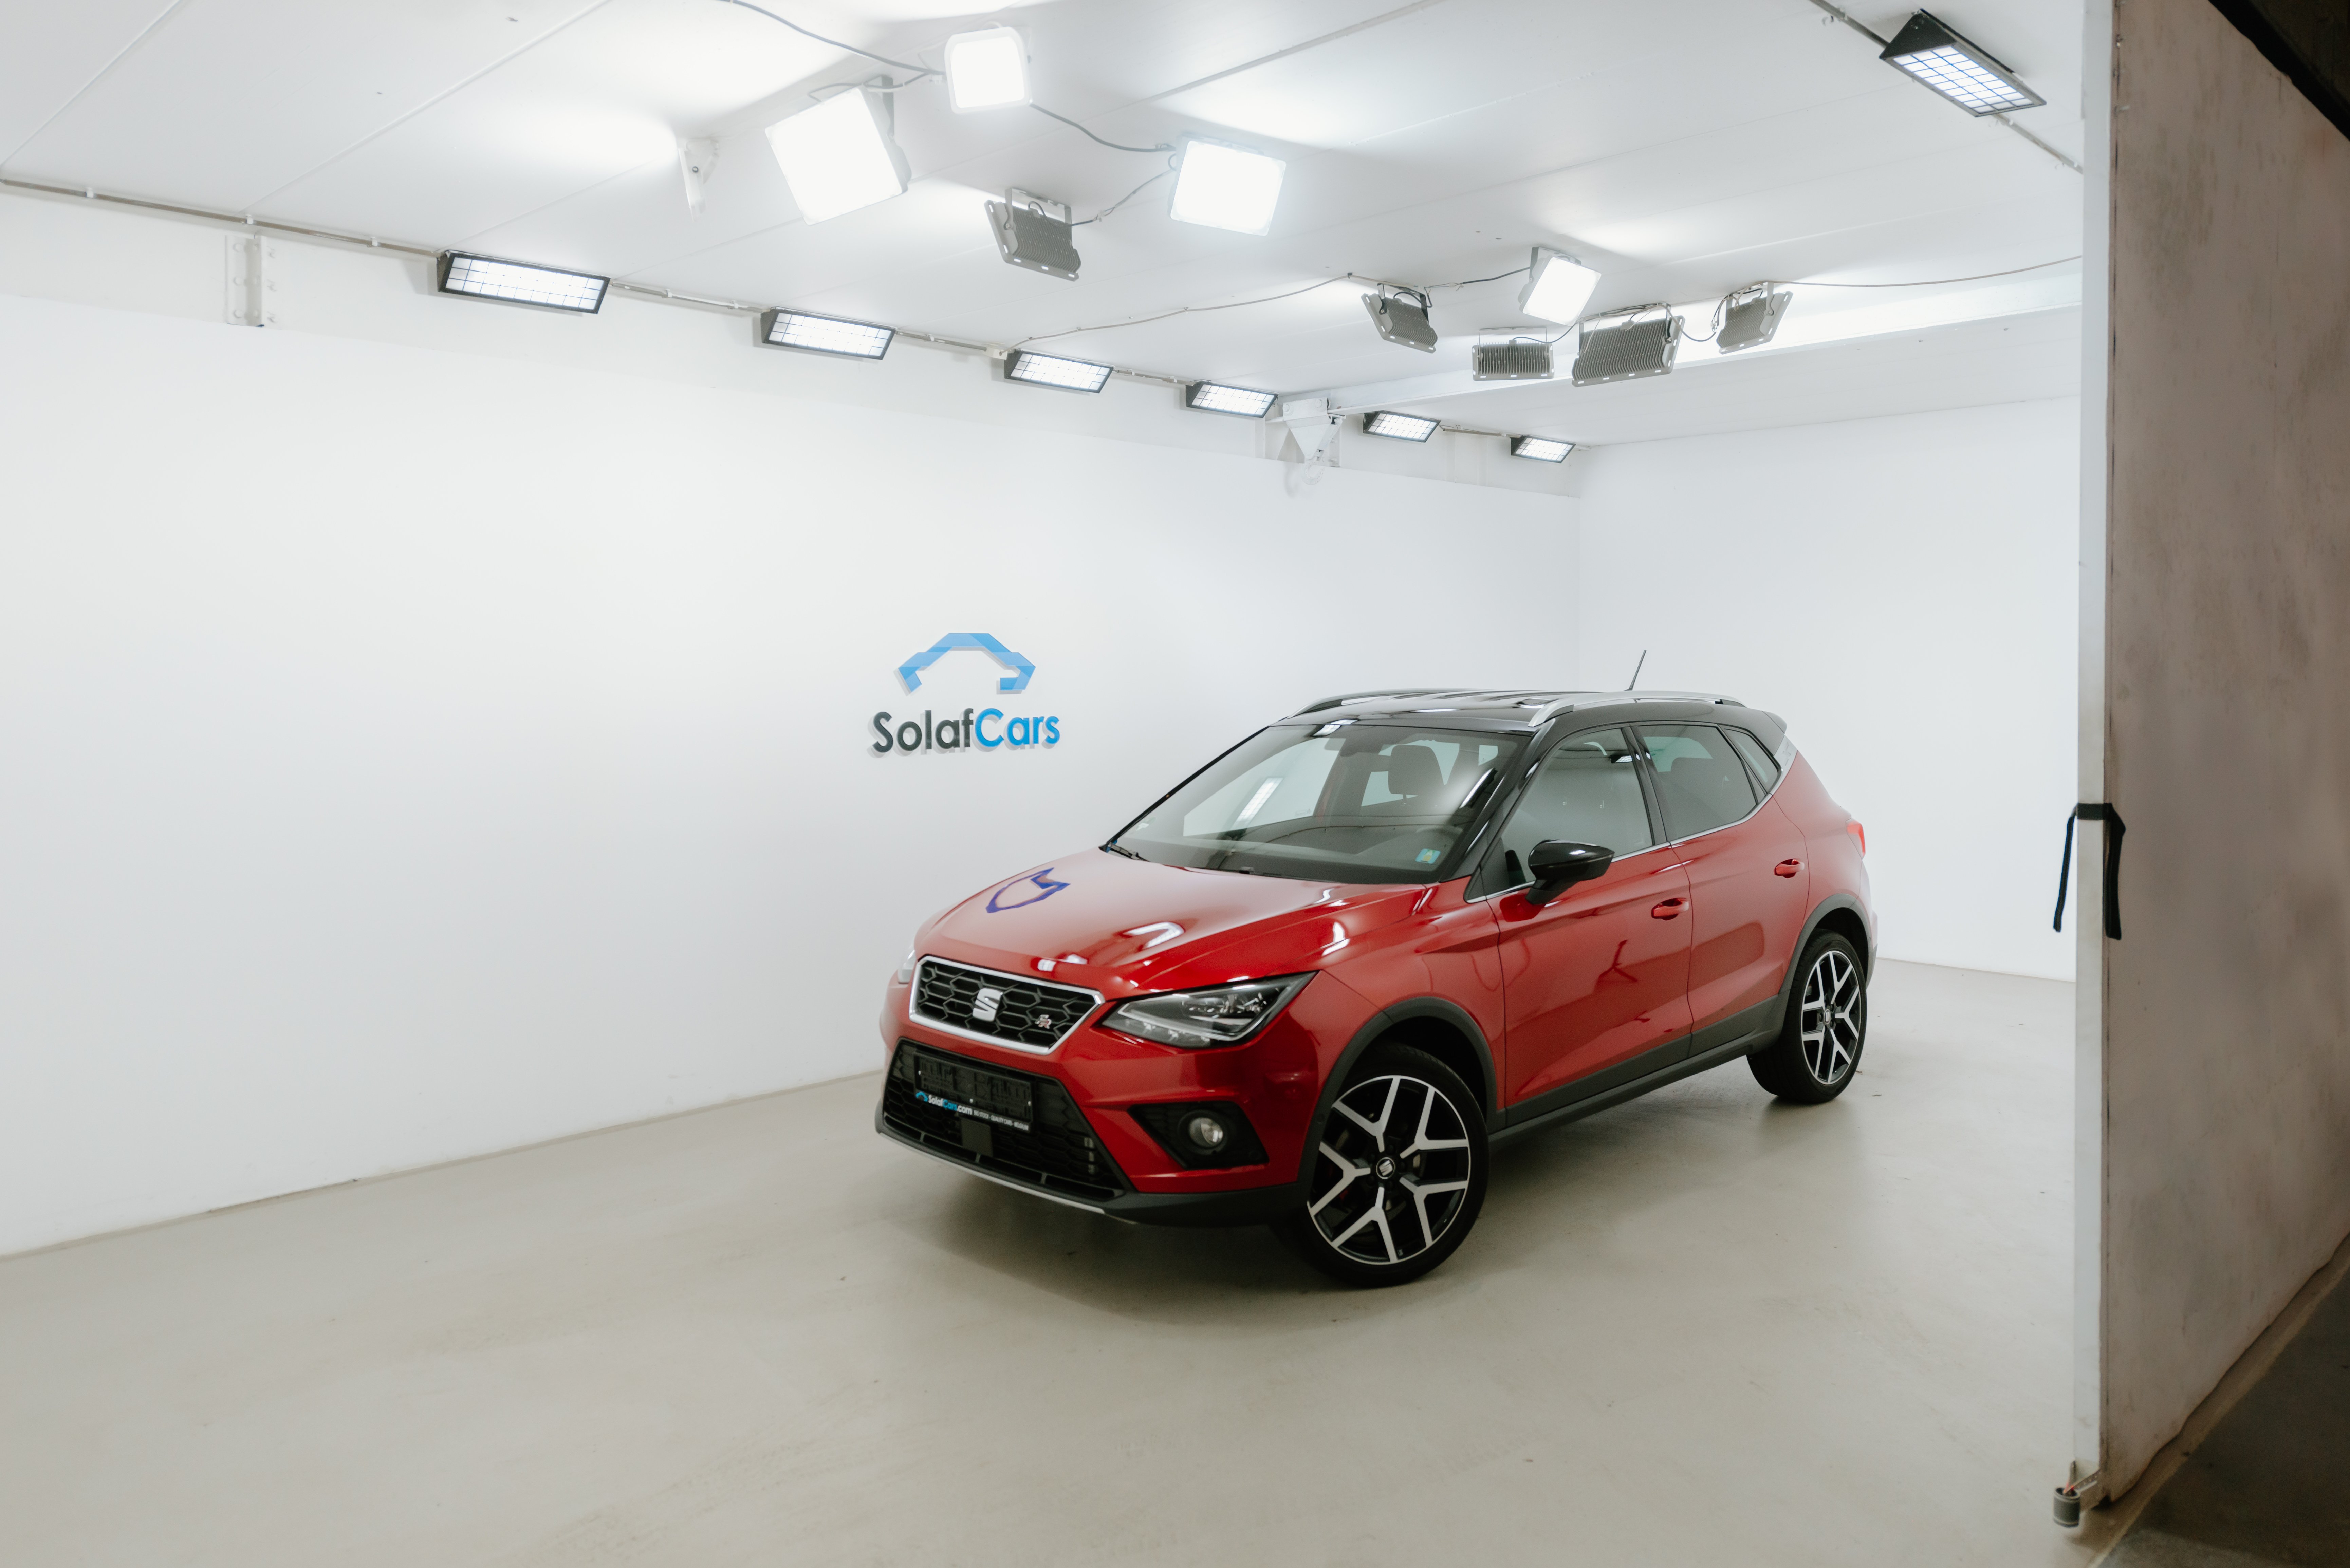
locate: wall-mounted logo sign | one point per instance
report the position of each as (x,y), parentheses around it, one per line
(985,729)
(910,672)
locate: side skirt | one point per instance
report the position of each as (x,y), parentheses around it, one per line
(1687,1067)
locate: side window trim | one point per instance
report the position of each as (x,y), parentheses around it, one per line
(1723,827)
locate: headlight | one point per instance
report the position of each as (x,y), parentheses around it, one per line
(906,971)
(1219,1015)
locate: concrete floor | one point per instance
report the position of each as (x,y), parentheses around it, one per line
(1700,1328)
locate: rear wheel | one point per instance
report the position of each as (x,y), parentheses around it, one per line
(1399,1172)
(1817,1053)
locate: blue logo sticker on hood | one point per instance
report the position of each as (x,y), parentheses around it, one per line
(1042,879)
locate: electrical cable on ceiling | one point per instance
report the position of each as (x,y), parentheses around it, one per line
(1117,146)
(1933,282)
(1122,201)
(919,71)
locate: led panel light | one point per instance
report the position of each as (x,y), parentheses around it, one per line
(1225,186)
(1519,360)
(1051,370)
(1557,286)
(825,334)
(1541,448)
(1401,320)
(839,156)
(1967,74)
(1211,397)
(986,69)
(1628,346)
(1750,316)
(517,283)
(1034,232)
(1399,427)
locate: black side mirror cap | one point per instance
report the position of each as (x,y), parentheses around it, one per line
(1557,865)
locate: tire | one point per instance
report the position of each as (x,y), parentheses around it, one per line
(1819,1051)
(1399,1172)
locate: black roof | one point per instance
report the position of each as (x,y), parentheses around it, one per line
(1501,708)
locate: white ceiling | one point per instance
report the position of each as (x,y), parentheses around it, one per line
(1682,146)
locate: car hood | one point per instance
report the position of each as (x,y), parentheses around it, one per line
(1124,926)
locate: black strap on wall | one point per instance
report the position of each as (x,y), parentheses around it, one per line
(2095,811)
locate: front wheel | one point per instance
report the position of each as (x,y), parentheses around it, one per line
(1819,1051)
(1399,1172)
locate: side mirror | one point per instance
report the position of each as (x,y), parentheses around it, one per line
(1557,865)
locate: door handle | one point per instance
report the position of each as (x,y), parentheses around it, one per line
(1670,910)
(1786,868)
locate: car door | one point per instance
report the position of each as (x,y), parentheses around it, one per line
(1593,981)
(1749,888)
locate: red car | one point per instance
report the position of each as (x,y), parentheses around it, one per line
(1314,983)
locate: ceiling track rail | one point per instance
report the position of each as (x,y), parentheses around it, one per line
(639,290)
(1838,12)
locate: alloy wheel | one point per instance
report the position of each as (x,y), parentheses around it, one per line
(1831,1024)
(1393,1172)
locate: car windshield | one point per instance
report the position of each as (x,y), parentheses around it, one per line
(1339,802)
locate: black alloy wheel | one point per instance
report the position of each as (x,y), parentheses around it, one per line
(1399,1172)
(1819,1051)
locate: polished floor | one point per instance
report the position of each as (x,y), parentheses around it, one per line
(1703,1328)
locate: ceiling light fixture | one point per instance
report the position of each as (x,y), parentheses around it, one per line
(1034,232)
(839,156)
(1514,358)
(1936,54)
(1626,345)
(1213,398)
(823,335)
(518,283)
(1401,319)
(1541,448)
(1399,427)
(1748,316)
(1224,185)
(1557,286)
(986,69)
(1051,370)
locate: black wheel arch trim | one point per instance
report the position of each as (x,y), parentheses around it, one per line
(1376,1028)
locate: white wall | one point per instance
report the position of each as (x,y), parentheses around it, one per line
(407,754)
(1901,591)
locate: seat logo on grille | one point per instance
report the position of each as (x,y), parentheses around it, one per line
(983,1007)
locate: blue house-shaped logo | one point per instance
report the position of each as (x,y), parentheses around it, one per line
(910,672)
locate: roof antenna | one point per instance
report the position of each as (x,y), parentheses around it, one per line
(1635,670)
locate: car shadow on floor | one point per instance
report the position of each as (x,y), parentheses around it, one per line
(1605,1170)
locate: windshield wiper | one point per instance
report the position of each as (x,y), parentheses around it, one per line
(1115,847)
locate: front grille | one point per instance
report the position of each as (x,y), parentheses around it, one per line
(1054,1149)
(1016,1011)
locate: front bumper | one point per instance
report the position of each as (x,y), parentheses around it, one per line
(1088,1149)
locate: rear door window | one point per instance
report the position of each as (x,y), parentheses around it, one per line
(1700,781)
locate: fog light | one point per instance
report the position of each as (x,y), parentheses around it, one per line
(1205,1131)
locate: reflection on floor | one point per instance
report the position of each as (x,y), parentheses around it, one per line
(2272,1483)
(1701,1329)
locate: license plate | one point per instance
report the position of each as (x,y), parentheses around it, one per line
(971,1091)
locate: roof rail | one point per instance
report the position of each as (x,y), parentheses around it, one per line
(1345,698)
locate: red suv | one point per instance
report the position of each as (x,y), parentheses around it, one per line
(1315,982)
